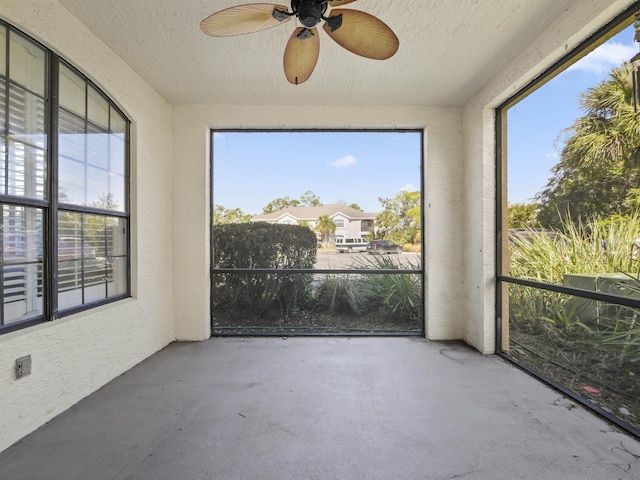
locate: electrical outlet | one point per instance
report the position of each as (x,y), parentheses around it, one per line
(23,366)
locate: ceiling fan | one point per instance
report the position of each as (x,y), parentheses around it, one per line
(357,31)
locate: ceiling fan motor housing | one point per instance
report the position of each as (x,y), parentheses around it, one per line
(309,11)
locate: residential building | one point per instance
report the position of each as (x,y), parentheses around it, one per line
(349,222)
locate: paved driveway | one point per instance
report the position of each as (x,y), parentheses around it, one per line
(331,259)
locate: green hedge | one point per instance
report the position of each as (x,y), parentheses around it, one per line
(264,246)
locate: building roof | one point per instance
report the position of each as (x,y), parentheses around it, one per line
(313,213)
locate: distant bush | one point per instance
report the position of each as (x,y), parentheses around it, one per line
(412,247)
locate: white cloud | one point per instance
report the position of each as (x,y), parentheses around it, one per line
(605,57)
(553,156)
(344,162)
(409,188)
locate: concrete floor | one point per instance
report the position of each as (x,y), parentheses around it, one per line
(324,408)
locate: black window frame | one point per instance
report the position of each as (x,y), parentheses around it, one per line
(422,271)
(50,205)
(621,21)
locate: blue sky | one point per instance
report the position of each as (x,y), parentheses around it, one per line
(253,168)
(536,123)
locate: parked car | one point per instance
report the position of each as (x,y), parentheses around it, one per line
(350,245)
(383,246)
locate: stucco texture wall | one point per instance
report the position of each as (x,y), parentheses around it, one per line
(75,356)
(563,35)
(170,231)
(442,187)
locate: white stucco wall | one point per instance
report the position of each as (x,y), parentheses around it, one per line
(75,356)
(560,37)
(442,187)
(460,185)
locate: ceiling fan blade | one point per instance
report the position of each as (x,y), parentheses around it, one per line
(243,19)
(301,55)
(363,34)
(338,3)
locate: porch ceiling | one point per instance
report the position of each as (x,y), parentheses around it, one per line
(448,51)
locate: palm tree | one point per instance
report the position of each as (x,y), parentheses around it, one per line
(599,163)
(325,227)
(609,132)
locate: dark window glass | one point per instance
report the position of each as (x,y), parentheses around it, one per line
(65,252)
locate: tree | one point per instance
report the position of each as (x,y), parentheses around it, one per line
(385,222)
(84,229)
(325,227)
(522,215)
(310,199)
(280,204)
(106,201)
(222,215)
(598,166)
(401,217)
(307,199)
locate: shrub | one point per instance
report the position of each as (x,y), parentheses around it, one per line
(549,329)
(598,246)
(398,295)
(261,246)
(339,294)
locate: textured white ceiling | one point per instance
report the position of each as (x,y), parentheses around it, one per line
(448,50)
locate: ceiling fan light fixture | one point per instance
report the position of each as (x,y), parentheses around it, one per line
(310,12)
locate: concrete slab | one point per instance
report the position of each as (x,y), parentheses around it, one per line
(324,408)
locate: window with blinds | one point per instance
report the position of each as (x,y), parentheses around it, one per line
(63,187)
